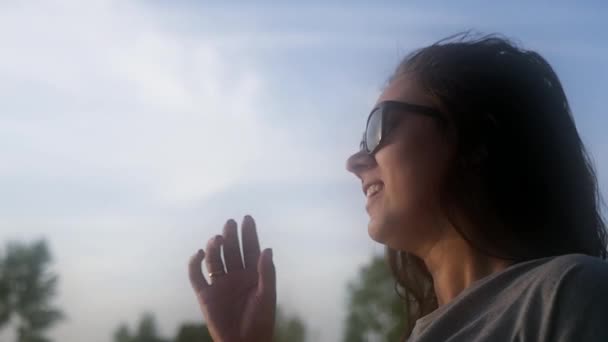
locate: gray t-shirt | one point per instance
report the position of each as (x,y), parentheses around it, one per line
(555,299)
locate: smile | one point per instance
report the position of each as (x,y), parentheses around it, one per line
(373,189)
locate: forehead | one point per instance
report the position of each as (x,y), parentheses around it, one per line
(405,88)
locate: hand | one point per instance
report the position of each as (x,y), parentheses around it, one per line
(239,304)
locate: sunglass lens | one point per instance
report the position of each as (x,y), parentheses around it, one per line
(373,132)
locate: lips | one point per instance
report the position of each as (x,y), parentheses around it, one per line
(372,188)
(372,192)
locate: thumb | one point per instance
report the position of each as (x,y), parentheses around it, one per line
(267,275)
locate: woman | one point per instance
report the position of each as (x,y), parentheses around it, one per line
(480,188)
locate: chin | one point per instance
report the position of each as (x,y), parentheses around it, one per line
(390,231)
(377,230)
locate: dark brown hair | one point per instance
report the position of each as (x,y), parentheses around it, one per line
(522,180)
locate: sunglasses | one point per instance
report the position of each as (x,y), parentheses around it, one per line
(384,117)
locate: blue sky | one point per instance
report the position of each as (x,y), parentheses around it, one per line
(130,130)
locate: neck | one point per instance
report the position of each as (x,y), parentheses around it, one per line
(455,265)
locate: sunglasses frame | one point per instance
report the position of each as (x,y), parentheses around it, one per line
(387,106)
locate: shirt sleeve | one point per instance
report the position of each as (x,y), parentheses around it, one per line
(580,310)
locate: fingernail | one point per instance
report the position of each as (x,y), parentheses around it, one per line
(201,252)
(270,253)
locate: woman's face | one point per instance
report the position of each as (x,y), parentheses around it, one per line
(408,168)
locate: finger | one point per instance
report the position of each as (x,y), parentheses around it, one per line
(267,277)
(213,260)
(251,245)
(231,248)
(197,280)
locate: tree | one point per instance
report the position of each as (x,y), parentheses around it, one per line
(5,298)
(122,334)
(27,288)
(375,311)
(288,328)
(190,332)
(146,331)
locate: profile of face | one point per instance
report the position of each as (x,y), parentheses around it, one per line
(402,179)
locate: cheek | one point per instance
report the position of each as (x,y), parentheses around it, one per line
(412,169)
(411,214)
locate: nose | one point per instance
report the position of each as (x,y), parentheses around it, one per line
(359,162)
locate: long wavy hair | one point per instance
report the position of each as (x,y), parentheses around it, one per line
(521,179)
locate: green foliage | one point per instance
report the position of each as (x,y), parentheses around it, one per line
(193,333)
(27,288)
(5,296)
(375,311)
(147,331)
(122,334)
(289,328)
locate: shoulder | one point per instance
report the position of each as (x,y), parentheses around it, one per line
(575,267)
(574,281)
(547,275)
(560,280)
(549,271)
(564,272)
(565,299)
(577,260)
(578,298)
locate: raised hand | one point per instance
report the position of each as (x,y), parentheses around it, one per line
(239,302)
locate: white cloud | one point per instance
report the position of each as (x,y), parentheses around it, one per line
(128,132)
(169,112)
(108,105)
(110,126)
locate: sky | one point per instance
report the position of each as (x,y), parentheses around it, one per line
(131,130)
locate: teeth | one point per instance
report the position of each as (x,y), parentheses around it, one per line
(373,189)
